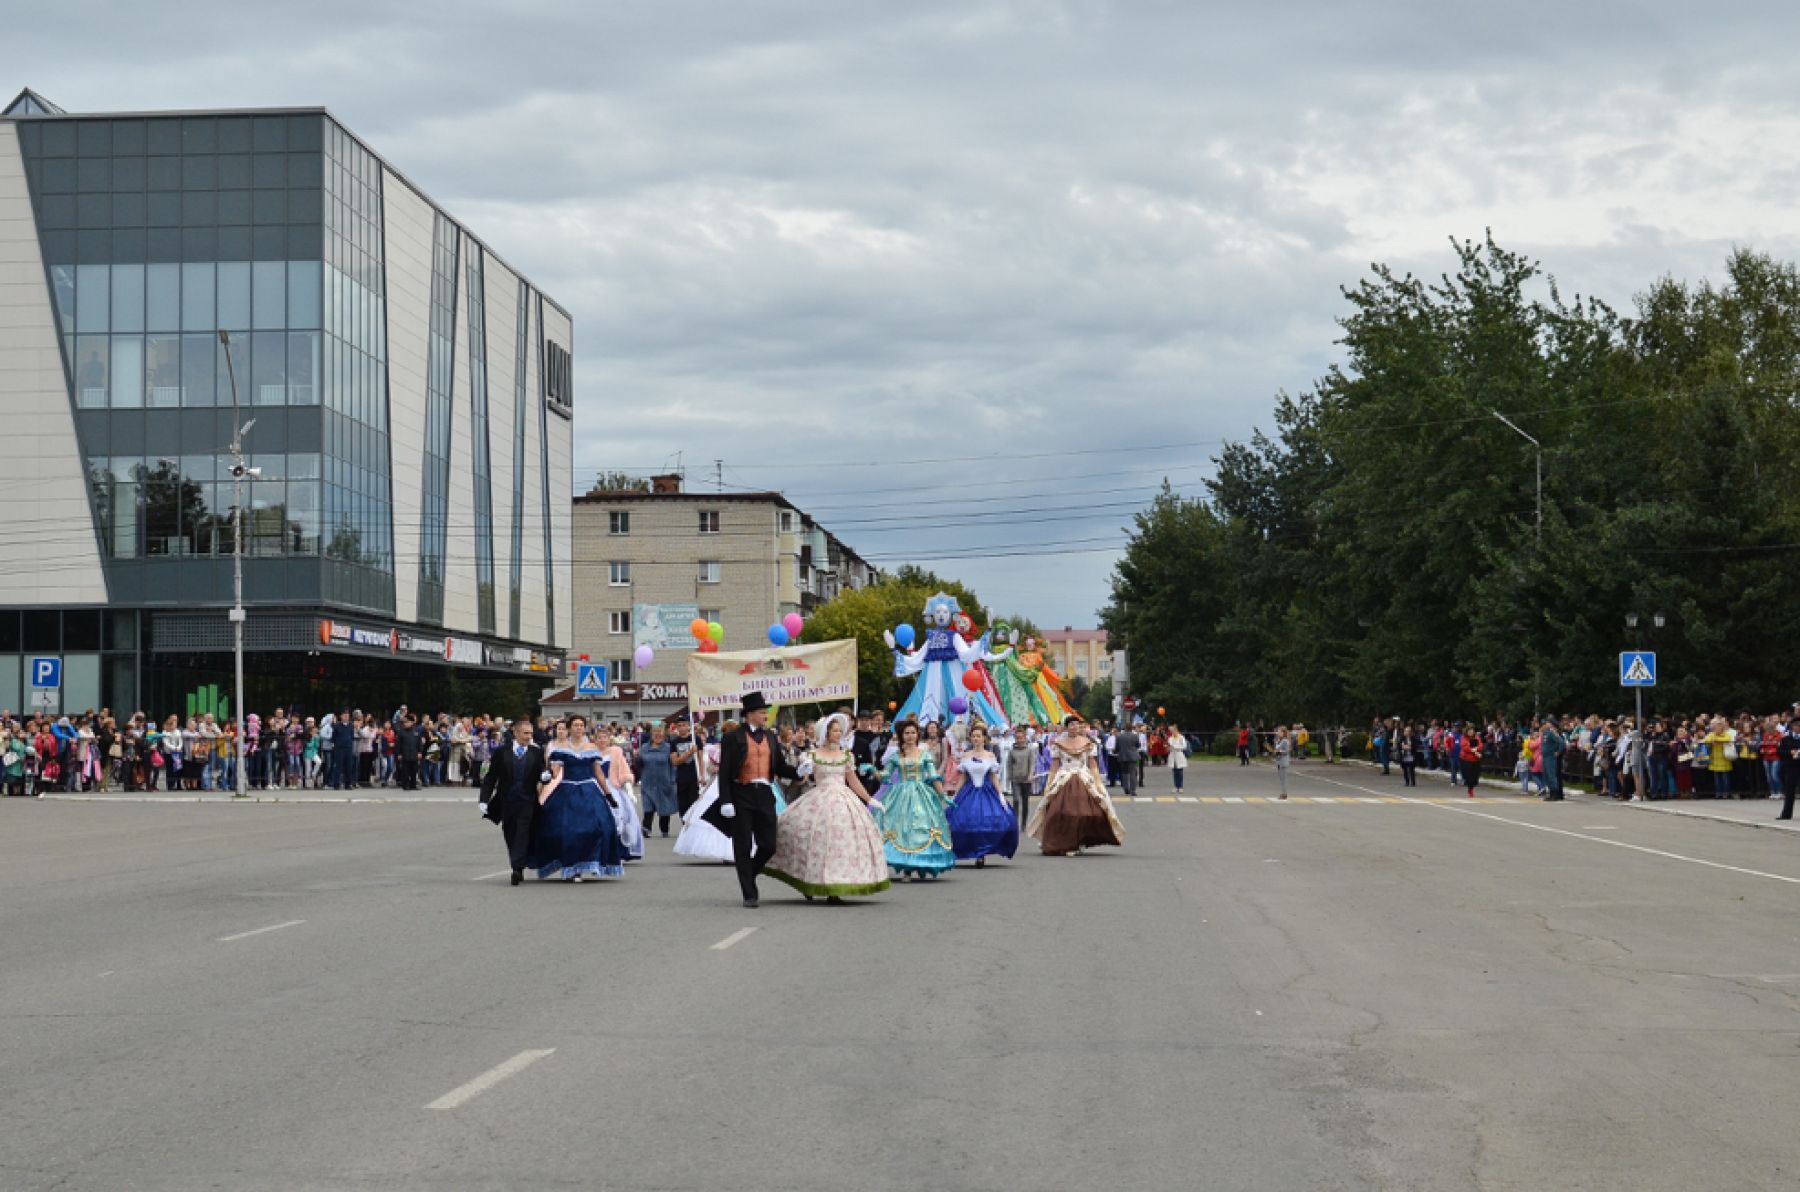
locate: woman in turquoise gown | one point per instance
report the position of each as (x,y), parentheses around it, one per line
(915,836)
(576,834)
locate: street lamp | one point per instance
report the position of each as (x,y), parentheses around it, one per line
(238,473)
(1657,620)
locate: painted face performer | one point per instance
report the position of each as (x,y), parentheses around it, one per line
(1075,812)
(827,843)
(939,664)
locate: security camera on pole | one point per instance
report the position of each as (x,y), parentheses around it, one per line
(239,472)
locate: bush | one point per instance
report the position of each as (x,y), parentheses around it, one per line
(1224,744)
(1356,745)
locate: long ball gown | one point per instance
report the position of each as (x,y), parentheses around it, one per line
(914,833)
(939,665)
(981,824)
(827,844)
(577,832)
(1075,812)
(702,841)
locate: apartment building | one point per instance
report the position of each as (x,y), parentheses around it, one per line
(1078,654)
(648,563)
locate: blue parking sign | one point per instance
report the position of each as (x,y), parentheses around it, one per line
(46,672)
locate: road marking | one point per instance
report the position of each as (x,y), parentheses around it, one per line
(1210,799)
(1186,799)
(1599,828)
(488,877)
(1233,799)
(109,972)
(487,1080)
(1367,799)
(1325,799)
(1255,799)
(1165,798)
(734,937)
(244,935)
(1457,807)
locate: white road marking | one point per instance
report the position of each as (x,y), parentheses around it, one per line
(487,877)
(1636,848)
(734,937)
(487,1080)
(1367,799)
(244,935)
(1599,827)
(1186,799)
(109,972)
(1325,799)
(1233,799)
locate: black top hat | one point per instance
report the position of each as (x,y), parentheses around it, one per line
(754,702)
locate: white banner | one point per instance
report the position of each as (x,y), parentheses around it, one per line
(819,674)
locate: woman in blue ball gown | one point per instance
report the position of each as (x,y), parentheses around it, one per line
(981,823)
(914,833)
(577,831)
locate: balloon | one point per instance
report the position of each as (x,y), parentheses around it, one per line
(697,627)
(1162,711)
(643,656)
(715,632)
(958,706)
(905,636)
(709,647)
(793,623)
(778,634)
(892,705)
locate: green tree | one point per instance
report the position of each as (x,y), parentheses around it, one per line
(1098,702)
(620,482)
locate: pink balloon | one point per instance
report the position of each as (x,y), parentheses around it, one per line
(793,623)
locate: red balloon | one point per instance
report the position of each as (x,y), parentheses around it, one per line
(972,680)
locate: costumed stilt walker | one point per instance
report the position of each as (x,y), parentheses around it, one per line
(749,763)
(577,829)
(939,665)
(981,823)
(827,843)
(1075,812)
(914,833)
(509,794)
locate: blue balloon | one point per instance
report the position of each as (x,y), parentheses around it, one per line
(778,635)
(905,636)
(958,705)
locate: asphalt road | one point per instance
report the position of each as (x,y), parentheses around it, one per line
(1343,995)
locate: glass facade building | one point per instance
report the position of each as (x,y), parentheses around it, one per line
(199,271)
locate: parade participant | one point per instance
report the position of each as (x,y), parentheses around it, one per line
(509,794)
(576,831)
(656,778)
(914,832)
(827,843)
(940,664)
(618,778)
(700,837)
(981,824)
(869,748)
(1075,813)
(1045,683)
(686,759)
(749,763)
(1021,771)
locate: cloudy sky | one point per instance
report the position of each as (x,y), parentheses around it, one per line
(967,280)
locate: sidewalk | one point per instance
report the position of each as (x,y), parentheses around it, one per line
(380,794)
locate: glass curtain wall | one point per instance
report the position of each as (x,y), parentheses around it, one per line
(478,430)
(440,380)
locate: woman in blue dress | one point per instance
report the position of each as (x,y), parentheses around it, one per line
(915,836)
(577,833)
(656,778)
(981,823)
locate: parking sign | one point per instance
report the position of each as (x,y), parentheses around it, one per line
(46,672)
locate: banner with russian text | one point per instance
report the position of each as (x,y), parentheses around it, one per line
(817,674)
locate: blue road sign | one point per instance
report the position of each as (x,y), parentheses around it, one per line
(590,678)
(1637,668)
(46,672)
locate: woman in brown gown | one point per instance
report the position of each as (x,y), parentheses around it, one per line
(1074,812)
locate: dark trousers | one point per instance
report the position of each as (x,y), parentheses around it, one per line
(1790,779)
(1128,771)
(687,789)
(1409,773)
(515,824)
(345,775)
(753,838)
(406,769)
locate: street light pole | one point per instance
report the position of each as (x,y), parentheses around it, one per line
(241,787)
(1536,677)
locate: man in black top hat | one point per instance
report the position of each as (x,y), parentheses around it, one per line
(749,760)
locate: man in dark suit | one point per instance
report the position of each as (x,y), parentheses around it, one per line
(509,793)
(868,748)
(749,760)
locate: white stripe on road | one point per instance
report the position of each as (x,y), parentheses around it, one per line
(487,1080)
(1186,799)
(1325,799)
(734,937)
(488,877)
(1599,828)
(244,935)
(1636,848)
(1233,799)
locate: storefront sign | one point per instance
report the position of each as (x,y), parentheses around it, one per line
(823,673)
(635,693)
(337,633)
(462,651)
(412,643)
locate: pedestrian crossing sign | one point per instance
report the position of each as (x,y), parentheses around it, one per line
(1637,668)
(590,678)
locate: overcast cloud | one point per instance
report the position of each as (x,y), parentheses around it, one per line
(795,236)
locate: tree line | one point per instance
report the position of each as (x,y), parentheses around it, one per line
(1380,552)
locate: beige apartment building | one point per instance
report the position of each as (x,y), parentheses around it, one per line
(1073,653)
(647,563)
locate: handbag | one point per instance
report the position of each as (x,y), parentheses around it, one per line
(115,750)
(1684,758)
(1731,753)
(10,758)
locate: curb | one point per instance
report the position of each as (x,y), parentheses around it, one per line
(1786,826)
